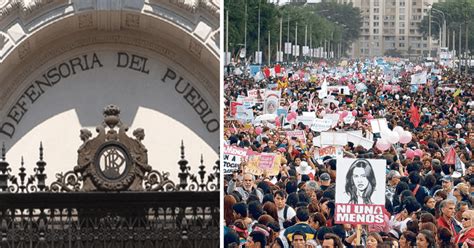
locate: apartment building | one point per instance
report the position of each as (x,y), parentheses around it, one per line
(390,27)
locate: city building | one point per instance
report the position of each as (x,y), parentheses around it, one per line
(391,27)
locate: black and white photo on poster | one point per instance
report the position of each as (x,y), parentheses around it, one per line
(360,181)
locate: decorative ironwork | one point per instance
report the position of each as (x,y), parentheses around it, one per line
(112,198)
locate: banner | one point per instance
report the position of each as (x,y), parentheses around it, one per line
(233,156)
(266,162)
(271,102)
(360,191)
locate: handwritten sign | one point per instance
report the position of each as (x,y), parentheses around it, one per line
(320,125)
(233,156)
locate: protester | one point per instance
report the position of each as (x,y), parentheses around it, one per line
(289,155)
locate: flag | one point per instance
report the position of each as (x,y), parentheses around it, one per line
(450,157)
(266,71)
(415,115)
(277,68)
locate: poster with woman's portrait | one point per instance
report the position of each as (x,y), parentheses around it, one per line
(360,191)
(271,102)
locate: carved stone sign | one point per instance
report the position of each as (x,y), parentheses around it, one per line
(93,61)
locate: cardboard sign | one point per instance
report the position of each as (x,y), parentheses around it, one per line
(271,102)
(360,191)
(332,151)
(269,163)
(233,156)
(256,95)
(321,125)
(306,120)
(333,138)
(233,108)
(333,117)
(349,119)
(419,78)
(360,140)
(379,125)
(299,134)
(244,114)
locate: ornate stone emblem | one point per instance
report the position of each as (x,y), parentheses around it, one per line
(112,161)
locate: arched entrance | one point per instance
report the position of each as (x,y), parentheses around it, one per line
(63,61)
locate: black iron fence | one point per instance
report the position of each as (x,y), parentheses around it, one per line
(84,208)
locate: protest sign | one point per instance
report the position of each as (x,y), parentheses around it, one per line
(349,119)
(324,90)
(340,89)
(333,138)
(320,125)
(256,95)
(299,134)
(332,151)
(333,117)
(266,162)
(379,125)
(306,120)
(359,140)
(271,102)
(233,108)
(282,112)
(419,78)
(360,191)
(244,114)
(233,156)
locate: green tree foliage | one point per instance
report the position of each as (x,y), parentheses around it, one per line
(324,21)
(458,13)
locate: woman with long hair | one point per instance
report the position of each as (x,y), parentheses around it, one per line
(229,201)
(360,182)
(425,239)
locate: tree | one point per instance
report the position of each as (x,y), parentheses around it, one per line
(325,21)
(458,13)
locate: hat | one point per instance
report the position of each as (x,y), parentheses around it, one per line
(446,178)
(458,126)
(304,168)
(435,161)
(324,177)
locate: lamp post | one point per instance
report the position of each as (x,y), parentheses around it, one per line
(444,26)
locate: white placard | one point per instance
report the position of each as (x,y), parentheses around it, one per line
(321,125)
(360,191)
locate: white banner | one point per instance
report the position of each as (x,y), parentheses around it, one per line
(258,57)
(287,47)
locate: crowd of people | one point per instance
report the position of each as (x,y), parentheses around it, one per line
(429,194)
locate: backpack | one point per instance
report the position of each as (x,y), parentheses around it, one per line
(285,212)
